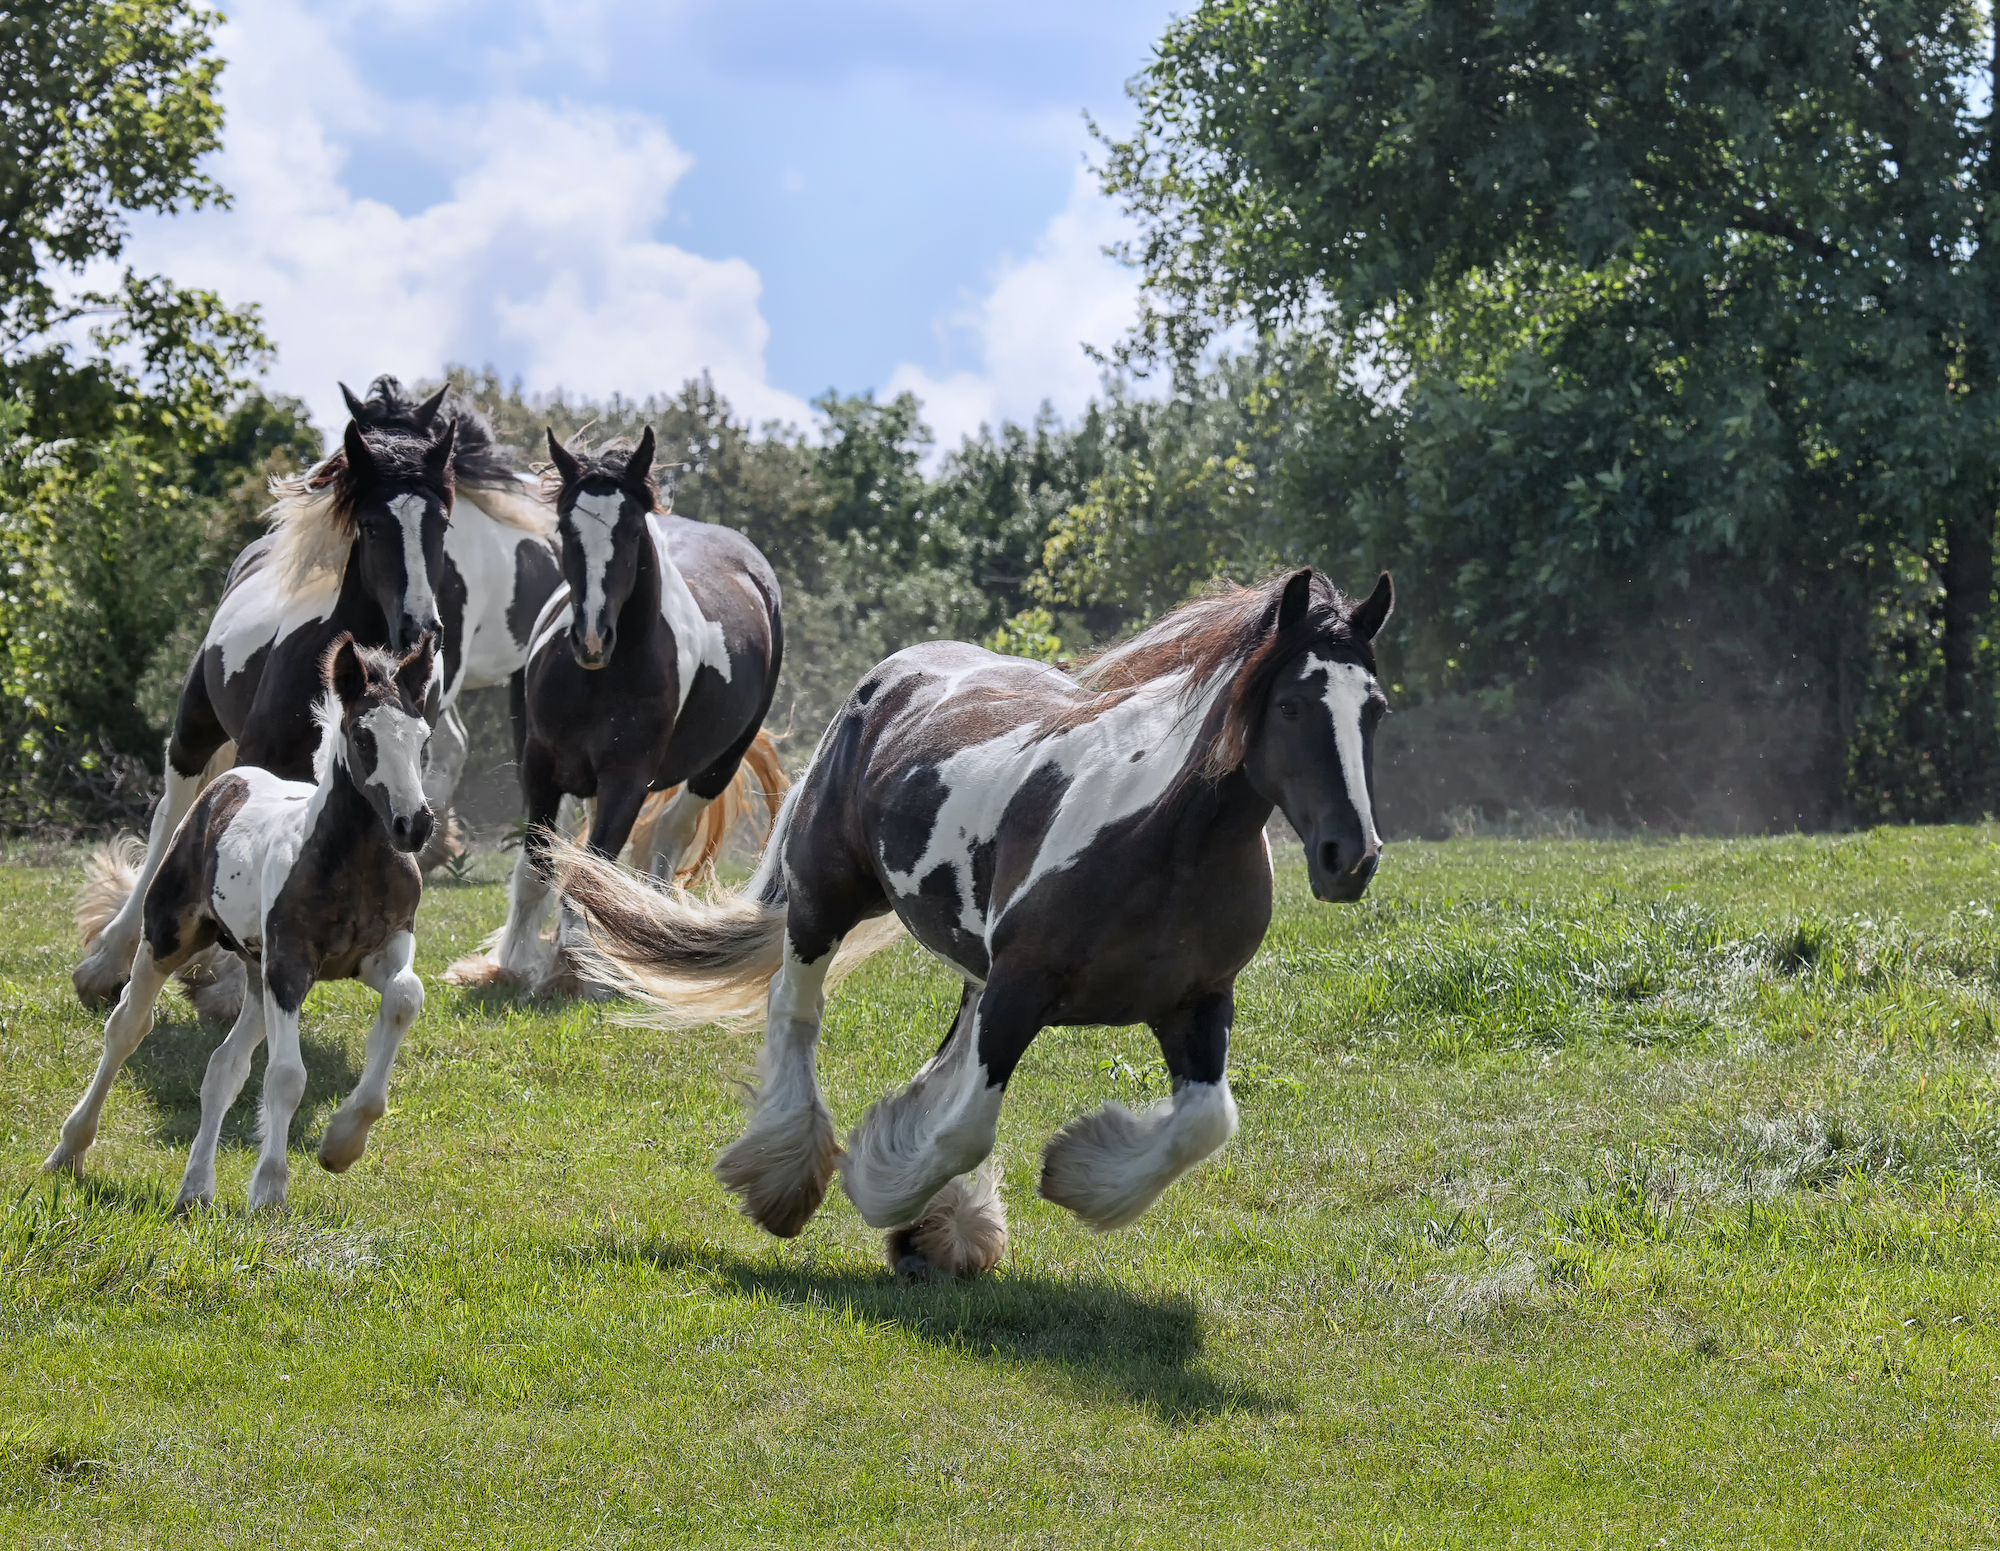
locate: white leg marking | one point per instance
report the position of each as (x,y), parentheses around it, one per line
(908,1146)
(522,952)
(1109,1166)
(98,977)
(674,831)
(390,974)
(227,1069)
(780,1165)
(284,1086)
(130,1021)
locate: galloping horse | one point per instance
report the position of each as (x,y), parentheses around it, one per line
(654,666)
(411,527)
(1084,849)
(303,881)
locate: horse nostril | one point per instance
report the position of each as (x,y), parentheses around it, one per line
(1329,857)
(1365,868)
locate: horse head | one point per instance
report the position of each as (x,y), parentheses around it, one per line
(601,519)
(400,496)
(1312,753)
(382,731)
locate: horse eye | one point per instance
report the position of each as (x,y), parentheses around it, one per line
(1288,709)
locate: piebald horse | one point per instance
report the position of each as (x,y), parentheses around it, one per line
(652,667)
(1079,849)
(303,881)
(416,525)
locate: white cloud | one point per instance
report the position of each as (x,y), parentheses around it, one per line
(1029,330)
(541,258)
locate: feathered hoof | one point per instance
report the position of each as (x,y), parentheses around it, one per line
(962,1233)
(345,1140)
(477,970)
(1087,1164)
(779,1173)
(216,989)
(564,980)
(98,984)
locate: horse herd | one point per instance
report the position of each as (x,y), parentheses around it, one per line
(1079,844)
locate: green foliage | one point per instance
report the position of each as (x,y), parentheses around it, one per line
(1674,326)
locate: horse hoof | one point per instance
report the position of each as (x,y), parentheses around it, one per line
(963,1232)
(346,1139)
(189,1202)
(94,988)
(64,1161)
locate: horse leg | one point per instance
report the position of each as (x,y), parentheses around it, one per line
(518,946)
(910,1147)
(227,1069)
(130,1022)
(284,1083)
(197,734)
(780,1166)
(620,795)
(444,765)
(674,830)
(1109,1166)
(402,993)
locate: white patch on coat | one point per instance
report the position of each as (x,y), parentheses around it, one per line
(1119,763)
(698,640)
(1348,689)
(551,622)
(594,520)
(418,600)
(399,757)
(261,609)
(485,553)
(256,852)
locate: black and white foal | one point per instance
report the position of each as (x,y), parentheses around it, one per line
(1080,850)
(304,881)
(652,667)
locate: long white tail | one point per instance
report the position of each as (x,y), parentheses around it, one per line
(695,960)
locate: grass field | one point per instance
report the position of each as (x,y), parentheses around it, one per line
(1587,1193)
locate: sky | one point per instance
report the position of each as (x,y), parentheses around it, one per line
(605,196)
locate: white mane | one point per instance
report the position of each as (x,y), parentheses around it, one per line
(312,539)
(327,752)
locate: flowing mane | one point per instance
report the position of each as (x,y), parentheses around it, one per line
(312,518)
(1227,632)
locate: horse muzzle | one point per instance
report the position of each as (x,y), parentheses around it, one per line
(412,832)
(1341,874)
(591,650)
(408,630)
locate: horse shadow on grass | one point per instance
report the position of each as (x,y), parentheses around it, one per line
(170,1062)
(1108,1341)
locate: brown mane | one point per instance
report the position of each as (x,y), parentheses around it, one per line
(1227,629)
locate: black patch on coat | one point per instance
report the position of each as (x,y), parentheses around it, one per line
(909,817)
(1030,812)
(537,574)
(178,915)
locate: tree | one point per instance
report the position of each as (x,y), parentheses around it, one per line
(1685,308)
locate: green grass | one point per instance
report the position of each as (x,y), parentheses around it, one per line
(1587,1193)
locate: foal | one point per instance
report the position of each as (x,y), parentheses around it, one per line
(1078,850)
(303,882)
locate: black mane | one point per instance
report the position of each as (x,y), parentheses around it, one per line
(607,461)
(477,459)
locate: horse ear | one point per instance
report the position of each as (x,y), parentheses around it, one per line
(427,411)
(413,673)
(640,464)
(354,406)
(360,461)
(1296,601)
(1372,612)
(437,457)
(565,462)
(343,671)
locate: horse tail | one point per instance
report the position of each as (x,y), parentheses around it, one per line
(112,870)
(696,960)
(759,775)
(110,873)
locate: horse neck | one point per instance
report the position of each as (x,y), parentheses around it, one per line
(1227,803)
(641,614)
(338,807)
(356,608)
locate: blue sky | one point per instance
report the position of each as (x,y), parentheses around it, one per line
(612,196)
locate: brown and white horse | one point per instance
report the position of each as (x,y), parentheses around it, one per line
(1079,849)
(303,881)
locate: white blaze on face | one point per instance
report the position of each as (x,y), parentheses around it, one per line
(594,519)
(399,757)
(1348,688)
(418,602)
